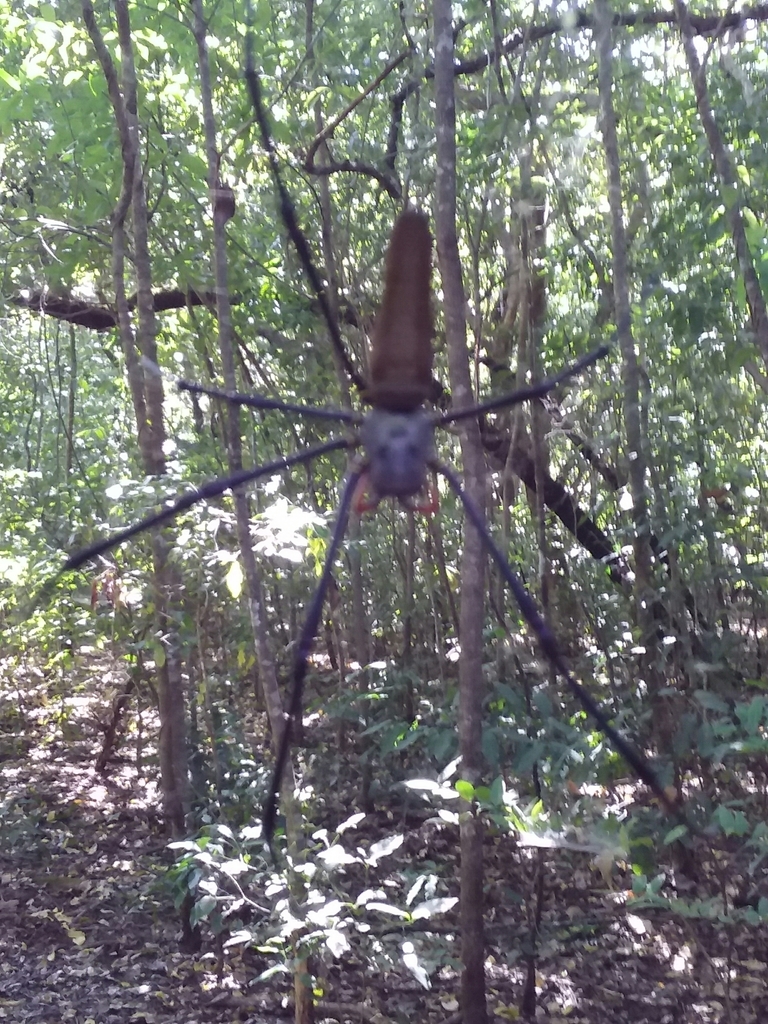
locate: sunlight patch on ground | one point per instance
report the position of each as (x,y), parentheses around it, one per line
(682,961)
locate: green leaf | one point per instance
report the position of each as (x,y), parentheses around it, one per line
(412,962)
(490,747)
(465,790)
(496,797)
(751,715)
(337,942)
(674,834)
(388,908)
(384,848)
(158,652)
(733,823)
(8,78)
(712,702)
(431,908)
(202,909)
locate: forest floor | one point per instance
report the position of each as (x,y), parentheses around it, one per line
(89,934)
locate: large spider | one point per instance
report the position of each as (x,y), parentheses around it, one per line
(397,458)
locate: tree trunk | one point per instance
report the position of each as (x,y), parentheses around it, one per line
(729,189)
(147,394)
(644,595)
(303,1001)
(359,631)
(473,558)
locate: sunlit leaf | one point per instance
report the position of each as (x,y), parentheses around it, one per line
(412,962)
(10,80)
(431,908)
(234,579)
(234,867)
(388,908)
(337,942)
(352,822)
(337,856)
(384,848)
(465,789)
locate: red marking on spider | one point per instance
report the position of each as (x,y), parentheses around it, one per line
(364,500)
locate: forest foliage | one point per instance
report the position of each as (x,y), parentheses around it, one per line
(655,587)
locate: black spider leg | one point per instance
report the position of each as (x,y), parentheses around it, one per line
(209,490)
(549,646)
(523,394)
(262,402)
(287,209)
(303,650)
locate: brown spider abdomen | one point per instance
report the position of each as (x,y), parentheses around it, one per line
(401,343)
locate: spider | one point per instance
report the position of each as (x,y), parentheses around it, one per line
(396,438)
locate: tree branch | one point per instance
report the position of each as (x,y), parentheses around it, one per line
(728,186)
